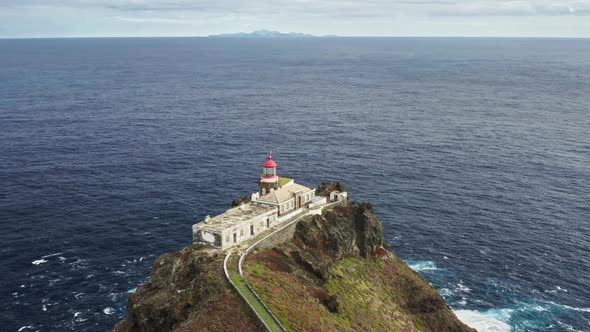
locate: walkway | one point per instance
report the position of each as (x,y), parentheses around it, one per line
(265,317)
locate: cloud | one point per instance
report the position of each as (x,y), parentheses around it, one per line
(330,8)
(153,20)
(515,8)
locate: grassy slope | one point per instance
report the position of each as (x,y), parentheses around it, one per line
(377,294)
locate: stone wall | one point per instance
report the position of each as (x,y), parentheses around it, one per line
(279,237)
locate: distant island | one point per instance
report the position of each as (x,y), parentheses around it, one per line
(266,34)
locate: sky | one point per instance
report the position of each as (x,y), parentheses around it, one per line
(131,18)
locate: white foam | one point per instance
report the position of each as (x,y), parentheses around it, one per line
(27,327)
(422,265)
(132,290)
(39,261)
(568,307)
(51,255)
(462,288)
(109,311)
(445,292)
(481,322)
(568,327)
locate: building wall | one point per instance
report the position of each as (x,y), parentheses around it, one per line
(212,238)
(244,229)
(287,206)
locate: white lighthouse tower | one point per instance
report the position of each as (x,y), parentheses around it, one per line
(269,179)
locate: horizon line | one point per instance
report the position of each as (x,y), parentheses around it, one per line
(220,36)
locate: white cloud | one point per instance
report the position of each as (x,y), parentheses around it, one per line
(153,20)
(343,17)
(344,8)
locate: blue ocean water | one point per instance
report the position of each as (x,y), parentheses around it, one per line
(475,153)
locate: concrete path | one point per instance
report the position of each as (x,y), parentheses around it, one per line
(265,317)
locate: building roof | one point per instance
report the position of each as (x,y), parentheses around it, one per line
(284,181)
(234,216)
(269,163)
(283,194)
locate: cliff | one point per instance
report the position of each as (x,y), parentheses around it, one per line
(334,275)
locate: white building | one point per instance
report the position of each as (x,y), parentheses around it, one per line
(291,196)
(235,225)
(276,197)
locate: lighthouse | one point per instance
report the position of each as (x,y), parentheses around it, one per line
(269,179)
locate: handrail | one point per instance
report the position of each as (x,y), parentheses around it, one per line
(243,297)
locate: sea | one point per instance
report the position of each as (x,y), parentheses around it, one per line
(475,153)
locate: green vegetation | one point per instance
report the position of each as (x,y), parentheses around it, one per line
(247,294)
(289,301)
(284,181)
(253,301)
(375,294)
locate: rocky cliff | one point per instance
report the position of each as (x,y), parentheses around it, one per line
(334,275)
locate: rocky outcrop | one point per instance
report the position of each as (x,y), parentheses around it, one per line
(333,275)
(326,187)
(352,230)
(186,292)
(240,201)
(336,275)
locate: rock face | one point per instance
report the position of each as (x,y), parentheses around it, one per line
(187,291)
(326,187)
(334,275)
(350,231)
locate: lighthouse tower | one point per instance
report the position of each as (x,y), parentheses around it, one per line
(269,179)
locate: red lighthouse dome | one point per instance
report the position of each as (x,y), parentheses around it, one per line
(269,163)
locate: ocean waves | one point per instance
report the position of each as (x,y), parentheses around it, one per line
(474,153)
(421,266)
(519,312)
